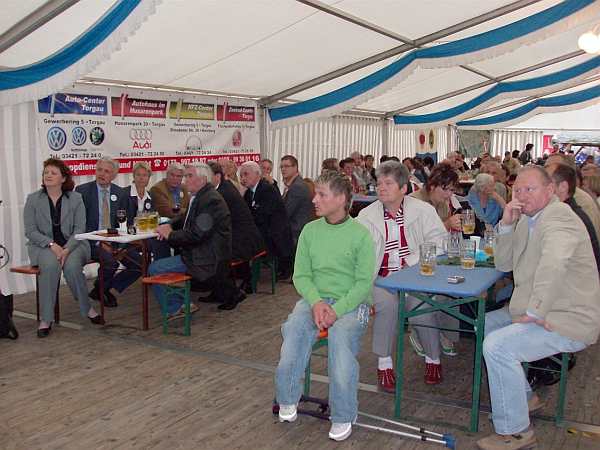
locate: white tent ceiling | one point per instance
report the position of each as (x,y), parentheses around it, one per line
(259,48)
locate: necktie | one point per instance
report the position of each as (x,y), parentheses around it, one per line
(105,210)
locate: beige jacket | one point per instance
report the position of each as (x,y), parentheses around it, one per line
(554,272)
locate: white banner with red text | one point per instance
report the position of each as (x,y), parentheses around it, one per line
(82,125)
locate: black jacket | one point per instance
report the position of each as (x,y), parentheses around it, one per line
(246,240)
(299,207)
(132,204)
(89,192)
(271,218)
(204,239)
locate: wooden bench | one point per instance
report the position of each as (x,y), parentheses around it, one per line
(173,283)
(35,270)
(256,263)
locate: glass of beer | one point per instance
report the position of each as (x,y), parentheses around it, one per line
(152,221)
(468,221)
(427,255)
(467,254)
(142,223)
(489,241)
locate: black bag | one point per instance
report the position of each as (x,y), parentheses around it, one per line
(7,327)
(537,376)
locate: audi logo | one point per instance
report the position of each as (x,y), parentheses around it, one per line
(140,134)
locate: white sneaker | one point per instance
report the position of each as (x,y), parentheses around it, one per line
(288,413)
(340,431)
(448,348)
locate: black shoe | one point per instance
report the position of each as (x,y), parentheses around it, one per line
(228,306)
(246,287)
(98,320)
(44,332)
(110,301)
(209,299)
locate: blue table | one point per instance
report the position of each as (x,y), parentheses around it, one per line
(409,281)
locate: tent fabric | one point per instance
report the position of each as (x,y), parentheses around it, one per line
(474,48)
(522,88)
(567,102)
(18,85)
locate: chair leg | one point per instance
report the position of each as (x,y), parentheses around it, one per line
(273,275)
(57,305)
(562,390)
(255,268)
(37,297)
(307,379)
(188,315)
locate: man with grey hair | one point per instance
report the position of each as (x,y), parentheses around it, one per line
(203,238)
(399,224)
(169,197)
(102,198)
(270,216)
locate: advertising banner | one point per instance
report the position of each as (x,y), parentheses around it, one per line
(82,126)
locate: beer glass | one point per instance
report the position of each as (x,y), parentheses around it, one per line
(427,255)
(467,254)
(453,241)
(489,241)
(468,221)
(152,221)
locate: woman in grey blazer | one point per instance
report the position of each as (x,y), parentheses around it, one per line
(53,216)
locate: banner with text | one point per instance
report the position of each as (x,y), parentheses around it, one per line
(82,126)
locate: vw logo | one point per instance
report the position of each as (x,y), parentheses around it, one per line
(140,134)
(57,138)
(97,136)
(79,136)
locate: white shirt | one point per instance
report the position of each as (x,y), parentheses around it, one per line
(140,201)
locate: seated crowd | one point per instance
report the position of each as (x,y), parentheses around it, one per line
(546,222)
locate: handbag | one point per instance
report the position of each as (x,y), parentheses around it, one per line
(7,326)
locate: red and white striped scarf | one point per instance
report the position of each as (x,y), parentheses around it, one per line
(396,246)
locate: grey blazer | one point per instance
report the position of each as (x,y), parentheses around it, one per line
(298,205)
(38,223)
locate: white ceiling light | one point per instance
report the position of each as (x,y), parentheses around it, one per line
(589,42)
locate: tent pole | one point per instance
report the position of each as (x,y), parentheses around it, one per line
(385,137)
(262,130)
(398,50)
(33,21)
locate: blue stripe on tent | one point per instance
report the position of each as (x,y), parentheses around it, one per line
(474,43)
(69,55)
(511,86)
(550,102)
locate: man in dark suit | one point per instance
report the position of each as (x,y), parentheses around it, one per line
(203,237)
(246,240)
(102,199)
(296,196)
(270,216)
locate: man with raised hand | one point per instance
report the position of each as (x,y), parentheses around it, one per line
(553,309)
(333,273)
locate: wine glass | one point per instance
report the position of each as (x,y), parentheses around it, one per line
(121,218)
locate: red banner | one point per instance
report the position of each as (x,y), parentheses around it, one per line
(235,113)
(547,144)
(88,167)
(138,107)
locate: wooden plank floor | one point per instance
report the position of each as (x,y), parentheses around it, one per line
(117,387)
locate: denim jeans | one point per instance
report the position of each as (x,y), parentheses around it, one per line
(299,334)
(170,264)
(505,347)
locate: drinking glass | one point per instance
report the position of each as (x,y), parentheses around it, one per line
(427,255)
(467,254)
(453,244)
(489,242)
(468,221)
(122,218)
(176,208)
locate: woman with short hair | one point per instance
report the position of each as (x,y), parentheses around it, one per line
(487,204)
(53,215)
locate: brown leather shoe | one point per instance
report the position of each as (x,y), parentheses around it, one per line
(523,440)
(386,380)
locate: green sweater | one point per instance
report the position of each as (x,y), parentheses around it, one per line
(335,261)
